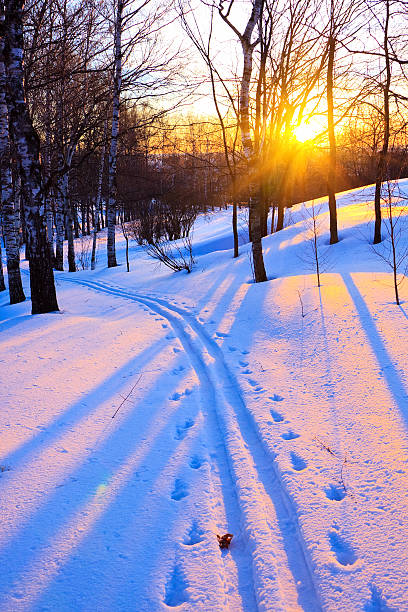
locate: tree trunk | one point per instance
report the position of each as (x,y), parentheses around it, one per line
(331,175)
(281,215)
(27,145)
(117,83)
(98,200)
(252,159)
(264,209)
(59,219)
(382,161)
(10,231)
(70,238)
(2,283)
(273,218)
(235,227)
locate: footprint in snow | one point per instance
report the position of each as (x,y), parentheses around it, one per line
(344,553)
(276,398)
(221,334)
(335,492)
(180,490)
(176,350)
(178,370)
(196,462)
(277,417)
(194,535)
(232,348)
(247,371)
(245,352)
(175,397)
(176,588)
(377,602)
(298,463)
(181,430)
(243,364)
(290,435)
(255,384)
(164,325)
(170,337)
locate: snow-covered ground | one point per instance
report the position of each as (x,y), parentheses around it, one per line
(157,410)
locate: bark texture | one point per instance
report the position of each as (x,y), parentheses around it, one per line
(2,283)
(117,84)
(27,146)
(98,201)
(331,175)
(8,207)
(253,161)
(382,161)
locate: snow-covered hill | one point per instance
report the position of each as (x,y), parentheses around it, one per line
(157,410)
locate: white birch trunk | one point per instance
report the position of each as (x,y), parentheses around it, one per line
(2,283)
(98,197)
(117,84)
(252,159)
(27,146)
(8,207)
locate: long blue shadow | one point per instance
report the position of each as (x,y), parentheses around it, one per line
(68,419)
(388,368)
(223,243)
(80,486)
(120,539)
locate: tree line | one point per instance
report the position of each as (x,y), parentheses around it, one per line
(94,131)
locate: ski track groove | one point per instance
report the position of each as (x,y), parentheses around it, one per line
(260,492)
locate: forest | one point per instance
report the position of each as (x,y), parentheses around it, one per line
(100,122)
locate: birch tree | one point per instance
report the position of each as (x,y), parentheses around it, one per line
(113,153)
(27,147)
(247,46)
(98,199)
(8,206)
(2,283)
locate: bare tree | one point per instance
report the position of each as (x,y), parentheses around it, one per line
(98,198)
(315,254)
(2,283)
(8,208)
(117,86)
(382,160)
(331,175)
(229,144)
(394,250)
(27,147)
(248,45)
(176,257)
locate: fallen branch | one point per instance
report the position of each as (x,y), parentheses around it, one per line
(125,399)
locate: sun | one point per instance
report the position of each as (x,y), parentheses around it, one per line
(308,130)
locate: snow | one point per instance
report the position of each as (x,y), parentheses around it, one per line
(157,410)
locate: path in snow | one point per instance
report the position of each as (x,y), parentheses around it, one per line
(282,578)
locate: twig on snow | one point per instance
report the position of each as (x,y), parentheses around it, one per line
(125,399)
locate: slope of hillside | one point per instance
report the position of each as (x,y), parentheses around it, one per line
(157,410)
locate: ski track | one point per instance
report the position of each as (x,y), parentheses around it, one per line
(281,568)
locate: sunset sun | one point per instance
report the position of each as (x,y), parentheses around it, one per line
(308,130)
